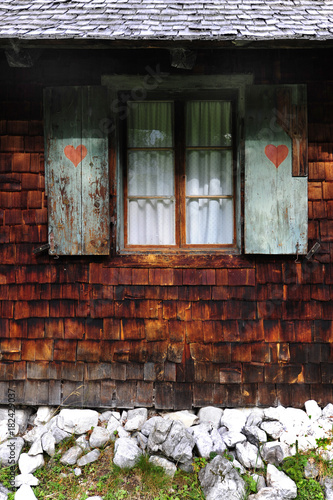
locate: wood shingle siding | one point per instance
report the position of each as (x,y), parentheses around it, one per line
(169,331)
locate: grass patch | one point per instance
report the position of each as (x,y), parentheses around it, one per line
(143,482)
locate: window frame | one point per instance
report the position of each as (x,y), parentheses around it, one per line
(126,87)
(180,148)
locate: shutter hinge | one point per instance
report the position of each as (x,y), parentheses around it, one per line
(41,249)
(313,250)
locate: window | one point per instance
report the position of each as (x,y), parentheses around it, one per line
(179,176)
(204,164)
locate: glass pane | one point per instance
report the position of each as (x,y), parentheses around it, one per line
(209,222)
(209,173)
(151,222)
(208,123)
(150,173)
(149,125)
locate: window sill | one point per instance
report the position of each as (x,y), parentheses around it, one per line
(189,259)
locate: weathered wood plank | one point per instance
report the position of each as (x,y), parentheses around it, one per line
(275,202)
(95,173)
(62,107)
(77,177)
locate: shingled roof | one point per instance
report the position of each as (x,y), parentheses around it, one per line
(166,19)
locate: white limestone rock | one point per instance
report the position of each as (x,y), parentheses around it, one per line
(113,424)
(135,419)
(274,413)
(3,491)
(207,439)
(36,447)
(328,411)
(90,457)
(48,443)
(5,432)
(255,435)
(327,483)
(274,452)
(238,466)
(186,417)
(35,433)
(172,440)
(121,433)
(169,467)
(28,479)
(10,450)
(273,428)
(220,481)
(71,456)
(99,437)
(281,482)
(127,453)
(24,493)
(249,456)
(44,415)
(58,434)
(142,440)
(311,470)
(83,442)
(210,415)
(313,410)
(29,464)
(77,421)
(22,417)
(231,438)
(158,432)
(289,438)
(267,493)
(260,481)
(255,417)
(324,423)
(295,420)
(77,471)
(234,420)
(306,443)
(105,416)
(150,424)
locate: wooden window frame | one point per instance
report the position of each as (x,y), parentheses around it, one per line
(180,148)
(203,87)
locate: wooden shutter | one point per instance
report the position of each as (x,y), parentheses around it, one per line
(76,164)
(276,203)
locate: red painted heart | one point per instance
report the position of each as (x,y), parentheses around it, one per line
(276,154)
(76,155)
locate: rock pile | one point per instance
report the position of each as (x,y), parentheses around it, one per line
(252,436)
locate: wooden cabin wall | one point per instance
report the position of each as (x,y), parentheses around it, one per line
(229,331)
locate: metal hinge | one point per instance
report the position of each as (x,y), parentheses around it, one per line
(313,250)
(41,249)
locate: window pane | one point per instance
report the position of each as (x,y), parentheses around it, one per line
(151,222)
(150,173)
(209,173)
(150,125)
(209,222)
(208,123)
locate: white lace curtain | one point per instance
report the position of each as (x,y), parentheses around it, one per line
(151,178)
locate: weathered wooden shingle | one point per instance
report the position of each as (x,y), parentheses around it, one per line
(187,20)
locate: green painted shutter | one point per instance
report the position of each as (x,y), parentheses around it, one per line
(77,173)
(276,203)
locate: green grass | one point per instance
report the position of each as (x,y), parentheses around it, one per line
(144,482)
